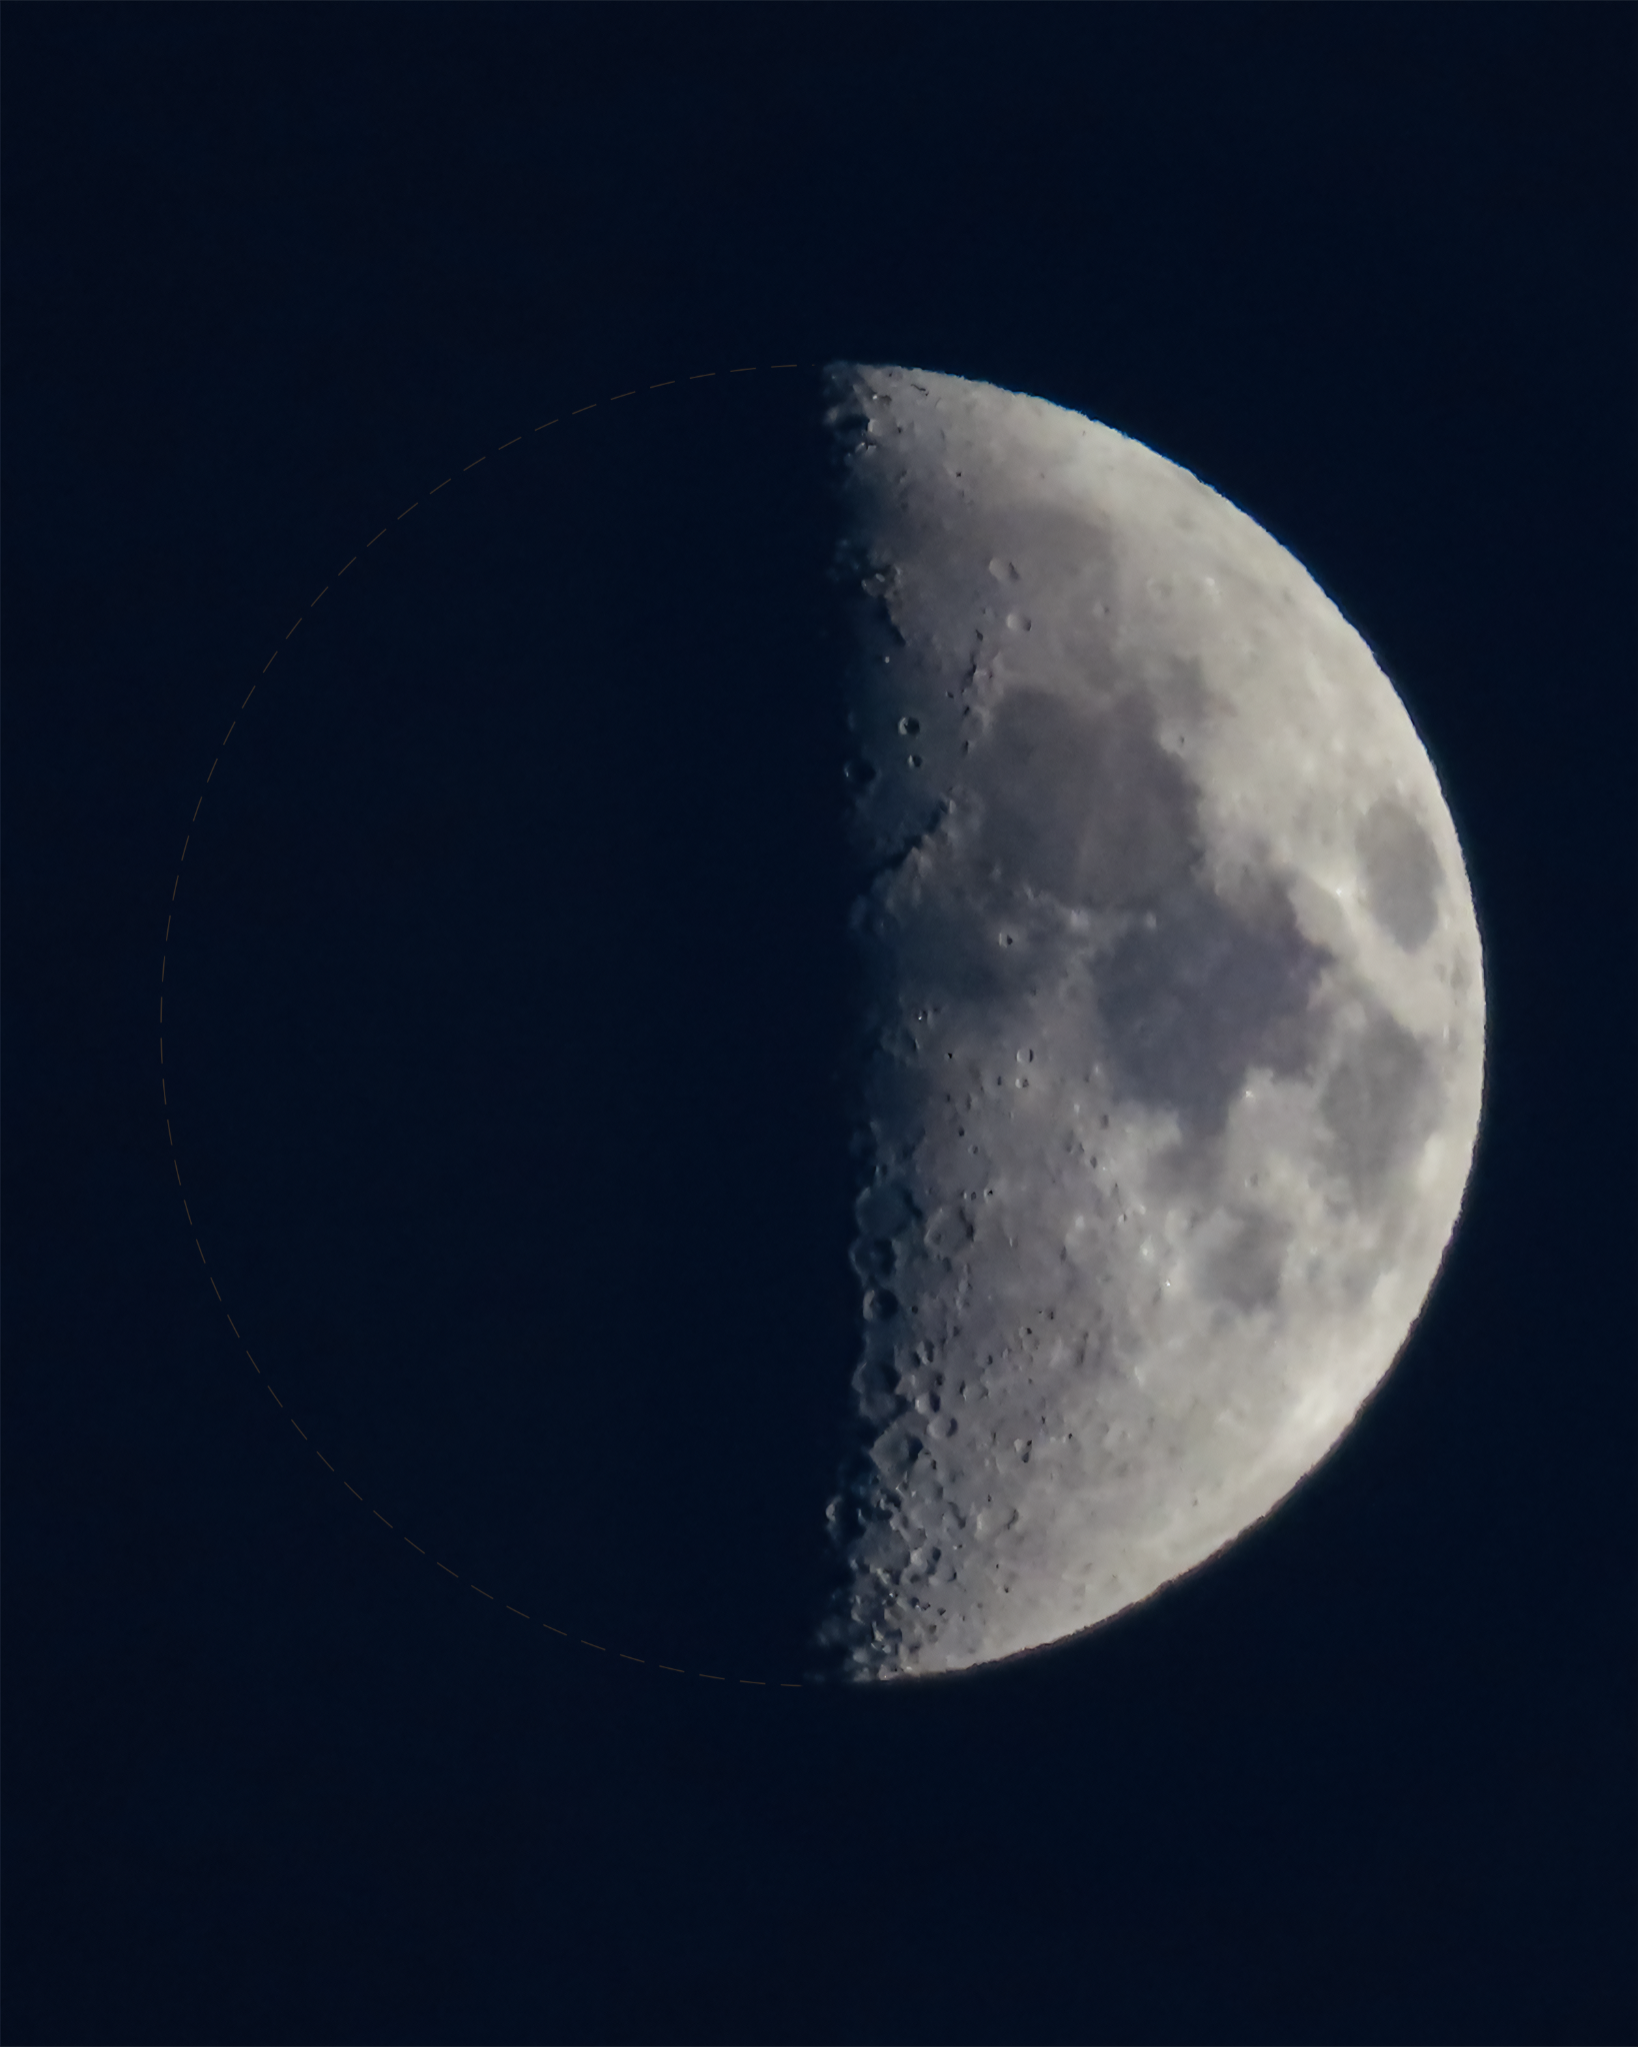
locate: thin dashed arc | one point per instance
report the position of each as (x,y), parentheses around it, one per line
(625,1656)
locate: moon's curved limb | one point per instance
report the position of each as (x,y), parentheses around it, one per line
(1176,1028)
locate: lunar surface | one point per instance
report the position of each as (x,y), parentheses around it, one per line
(1175,1022)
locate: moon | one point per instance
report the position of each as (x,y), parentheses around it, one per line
(1174,1022)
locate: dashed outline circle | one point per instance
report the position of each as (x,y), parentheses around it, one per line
(601,1648)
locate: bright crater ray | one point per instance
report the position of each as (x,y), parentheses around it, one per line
(1176,1026)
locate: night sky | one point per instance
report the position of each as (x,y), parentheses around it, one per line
(466,1282)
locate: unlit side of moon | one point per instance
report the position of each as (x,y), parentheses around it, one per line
(1177,1022)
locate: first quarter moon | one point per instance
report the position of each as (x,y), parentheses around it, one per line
(1174,1031)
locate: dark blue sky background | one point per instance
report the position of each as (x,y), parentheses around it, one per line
(504,1031)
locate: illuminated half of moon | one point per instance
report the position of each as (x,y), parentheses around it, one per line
(1176,1022)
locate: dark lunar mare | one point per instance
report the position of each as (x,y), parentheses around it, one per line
(505,1009)
(1402,873)
(1197,993)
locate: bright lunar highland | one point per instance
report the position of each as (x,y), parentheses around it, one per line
(1176,1022)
